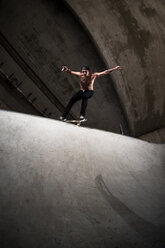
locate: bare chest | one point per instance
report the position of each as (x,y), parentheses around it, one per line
(85,80)
(86,83)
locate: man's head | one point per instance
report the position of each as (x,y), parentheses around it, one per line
(85,70)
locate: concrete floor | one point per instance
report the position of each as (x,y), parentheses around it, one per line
(68,186)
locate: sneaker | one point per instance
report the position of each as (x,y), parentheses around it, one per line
(82,117)
(62,118)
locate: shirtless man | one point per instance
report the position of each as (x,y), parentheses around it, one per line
(86,88)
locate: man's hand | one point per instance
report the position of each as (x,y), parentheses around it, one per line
(118,67)
(64,68)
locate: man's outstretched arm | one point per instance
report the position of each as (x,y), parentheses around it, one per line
(65,68)
(107,71)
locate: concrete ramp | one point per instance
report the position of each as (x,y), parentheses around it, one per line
(68,186)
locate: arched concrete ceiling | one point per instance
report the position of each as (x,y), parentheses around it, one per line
(47,34)
(132,34)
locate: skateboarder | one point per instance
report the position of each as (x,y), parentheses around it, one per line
(86,88)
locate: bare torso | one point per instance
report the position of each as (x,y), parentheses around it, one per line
(87,82)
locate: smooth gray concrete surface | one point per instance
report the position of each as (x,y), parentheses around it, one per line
(68,186)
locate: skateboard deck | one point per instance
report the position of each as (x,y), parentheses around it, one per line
(77,122)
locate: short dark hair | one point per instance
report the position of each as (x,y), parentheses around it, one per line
(85,67)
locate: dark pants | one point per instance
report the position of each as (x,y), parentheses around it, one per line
(80,95)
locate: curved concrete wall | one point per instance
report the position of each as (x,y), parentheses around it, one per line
(67,186)
(131,33)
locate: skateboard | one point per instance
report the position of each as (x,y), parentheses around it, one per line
(77,122)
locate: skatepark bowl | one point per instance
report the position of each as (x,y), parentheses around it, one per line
(68,186)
